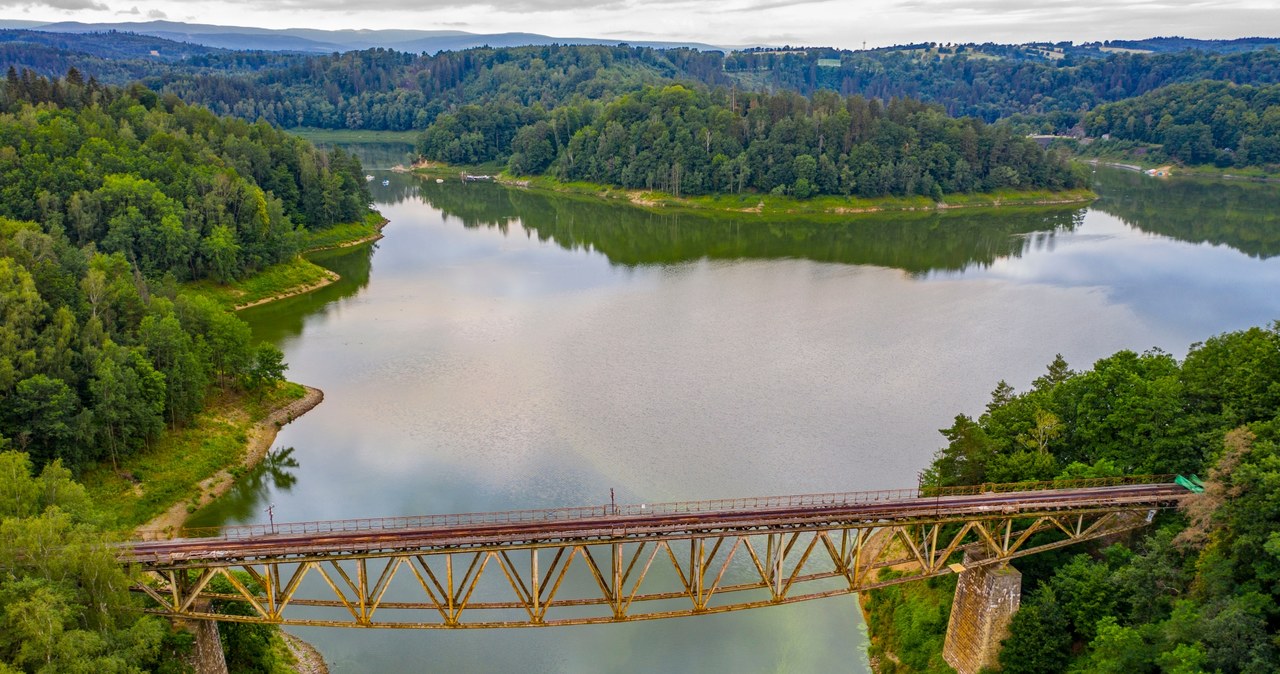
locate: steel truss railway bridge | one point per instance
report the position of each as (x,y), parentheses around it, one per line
(605,564)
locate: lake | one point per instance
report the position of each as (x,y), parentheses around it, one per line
(504,349)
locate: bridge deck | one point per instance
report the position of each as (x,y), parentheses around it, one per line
(531,528)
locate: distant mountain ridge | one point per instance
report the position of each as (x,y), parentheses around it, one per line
(309,40)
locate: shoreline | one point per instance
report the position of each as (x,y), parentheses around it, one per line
(1181,171)
(309,658)
(823,205)
(794,207)
(330,277)
(257,444)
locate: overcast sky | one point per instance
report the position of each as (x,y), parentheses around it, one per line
(843,23)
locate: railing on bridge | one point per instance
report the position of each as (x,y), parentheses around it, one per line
(830,499)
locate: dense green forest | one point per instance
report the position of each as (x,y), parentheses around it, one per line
(1199,123)
(110,198)
(381,89)
(993,88)
(1195,593)
(389,90)
(172,187)
(71,611)
(691,141)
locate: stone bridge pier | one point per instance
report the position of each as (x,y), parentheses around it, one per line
(986,599)
(208,657)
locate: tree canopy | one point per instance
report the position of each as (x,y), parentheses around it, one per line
(1197,594)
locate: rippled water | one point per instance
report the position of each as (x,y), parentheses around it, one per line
(503,349)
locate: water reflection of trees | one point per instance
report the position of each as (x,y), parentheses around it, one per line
(278,321)
(1239,214)
(247,501)
(377,155)
(915,242)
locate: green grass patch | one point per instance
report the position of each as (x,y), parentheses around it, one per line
(771,204)
(451,171)
(340,235)
(273,281)
(355,135)
(167,472)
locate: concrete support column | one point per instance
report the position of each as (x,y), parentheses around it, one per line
(986,599)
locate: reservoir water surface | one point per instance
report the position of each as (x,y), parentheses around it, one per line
(503,349)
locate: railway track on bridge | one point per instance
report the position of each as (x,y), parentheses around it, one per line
(553,527)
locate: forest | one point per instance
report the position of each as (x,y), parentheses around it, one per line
(387,90)
(692,141)
(111,199)
(1194,593)
(1199,123)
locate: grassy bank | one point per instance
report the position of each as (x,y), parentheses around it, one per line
(349,234)
(170,470)
(281,280)
(770,204)
(295,276)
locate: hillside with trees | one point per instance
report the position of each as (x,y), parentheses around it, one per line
(1210,122)
(110,198)
(1194,593)
(383,89)
(692,141)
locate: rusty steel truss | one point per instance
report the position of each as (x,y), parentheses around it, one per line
(622,563)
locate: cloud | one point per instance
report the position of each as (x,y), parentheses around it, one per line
(69,5)
(156,14)
(506,6)
(134,11)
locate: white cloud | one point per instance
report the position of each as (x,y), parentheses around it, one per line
(840,23)
(67,5)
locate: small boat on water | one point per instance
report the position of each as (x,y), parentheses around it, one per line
(386,182)
(368,179)
(439,180)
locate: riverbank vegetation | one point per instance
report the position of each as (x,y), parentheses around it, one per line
(382,89)
(1194,593)
(115,198)
(112,201)
(784,205)
(171,470)
(1208,122)
(70,611)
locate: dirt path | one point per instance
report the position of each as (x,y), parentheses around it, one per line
(261,435)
